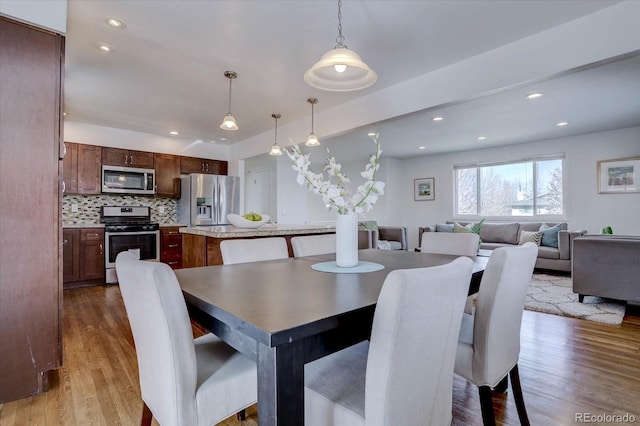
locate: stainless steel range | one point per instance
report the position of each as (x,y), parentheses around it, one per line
(128,228)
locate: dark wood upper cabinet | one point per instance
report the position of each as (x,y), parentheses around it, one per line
(81,169)
(202,165)
(167,169)
(31,268)
(127,158)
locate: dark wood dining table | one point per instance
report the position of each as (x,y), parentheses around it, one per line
(283,314)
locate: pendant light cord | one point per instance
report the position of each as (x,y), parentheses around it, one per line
(340,38)
(312,103)
(230,79)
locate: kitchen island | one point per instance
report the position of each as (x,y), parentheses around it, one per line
(201,244)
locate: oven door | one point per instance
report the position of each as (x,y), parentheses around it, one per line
(148,242)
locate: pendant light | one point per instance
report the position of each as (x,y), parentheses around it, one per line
(229,122)
(340,69)
(312,140)
(275,149)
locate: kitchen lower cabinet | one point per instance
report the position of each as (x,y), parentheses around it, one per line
(171,246)
(83,257)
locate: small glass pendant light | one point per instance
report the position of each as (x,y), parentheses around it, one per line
(229,122)
(312,140)
(275,149)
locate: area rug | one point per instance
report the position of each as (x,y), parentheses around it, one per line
(554,295)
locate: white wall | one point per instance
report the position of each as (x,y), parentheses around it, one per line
(585,208)
(119,138)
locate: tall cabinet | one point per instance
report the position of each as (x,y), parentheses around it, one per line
(31,63)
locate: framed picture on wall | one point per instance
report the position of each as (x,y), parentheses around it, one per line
(424,189)
(619,176)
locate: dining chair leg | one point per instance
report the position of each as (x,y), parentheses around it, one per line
(486,405)
(517,396)
(147,417)
(503,385)
(241,415)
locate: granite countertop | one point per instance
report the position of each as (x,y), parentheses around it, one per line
(82,225)
(267,230)
(178,225)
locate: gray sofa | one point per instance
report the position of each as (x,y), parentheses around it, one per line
(494,235)
(607,266)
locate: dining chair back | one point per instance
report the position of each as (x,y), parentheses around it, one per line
(404,375)
(311,245)
(253,250)
(458,243)
(182,381)
(489,342)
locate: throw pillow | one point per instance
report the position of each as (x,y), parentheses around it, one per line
(550,235)
(371,225)
(533,237)
(444,227)
(459,228)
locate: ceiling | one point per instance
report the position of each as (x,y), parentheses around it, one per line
(166,70)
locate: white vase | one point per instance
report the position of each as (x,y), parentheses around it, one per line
(347,240)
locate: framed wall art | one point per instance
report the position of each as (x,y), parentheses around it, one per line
(619,176)
(424,189)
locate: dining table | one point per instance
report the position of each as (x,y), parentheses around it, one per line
(283,314)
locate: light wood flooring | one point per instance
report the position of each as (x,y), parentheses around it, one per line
(567,366)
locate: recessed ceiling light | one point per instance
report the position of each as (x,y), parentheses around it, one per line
(481,138)
(371,134)
(534,96)
(173,132)
(222,139)
(422,147)
(64,113)
(105,47)
(562,123)
(437,119)
(115,23)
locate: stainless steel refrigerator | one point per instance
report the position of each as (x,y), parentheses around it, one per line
(207,199)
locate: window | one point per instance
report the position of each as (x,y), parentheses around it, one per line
(531,187)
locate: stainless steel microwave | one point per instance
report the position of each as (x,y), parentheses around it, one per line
(128,180)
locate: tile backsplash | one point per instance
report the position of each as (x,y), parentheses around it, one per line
(89,208)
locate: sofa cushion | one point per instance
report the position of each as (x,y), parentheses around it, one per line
(530,237)
(548,252)
(459,228)
(493,246)
(500,233)
(444,227)
(389,245)
(550,235)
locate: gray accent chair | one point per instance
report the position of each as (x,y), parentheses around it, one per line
(607,266)
(183,382)
(404,374)
(489,342)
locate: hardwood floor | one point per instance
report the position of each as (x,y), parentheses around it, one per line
(567,366)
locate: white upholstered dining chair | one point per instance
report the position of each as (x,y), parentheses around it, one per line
(253,250)
(311,245)
(183,382)
(489,342)
(455,243)
(458,243)
(404,374)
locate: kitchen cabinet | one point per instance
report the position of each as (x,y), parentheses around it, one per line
(70,255)
(167,169)
(81,168)
(83,257)
(91,254)
(171,246)
(127,158)
(202,165)
(31,144)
